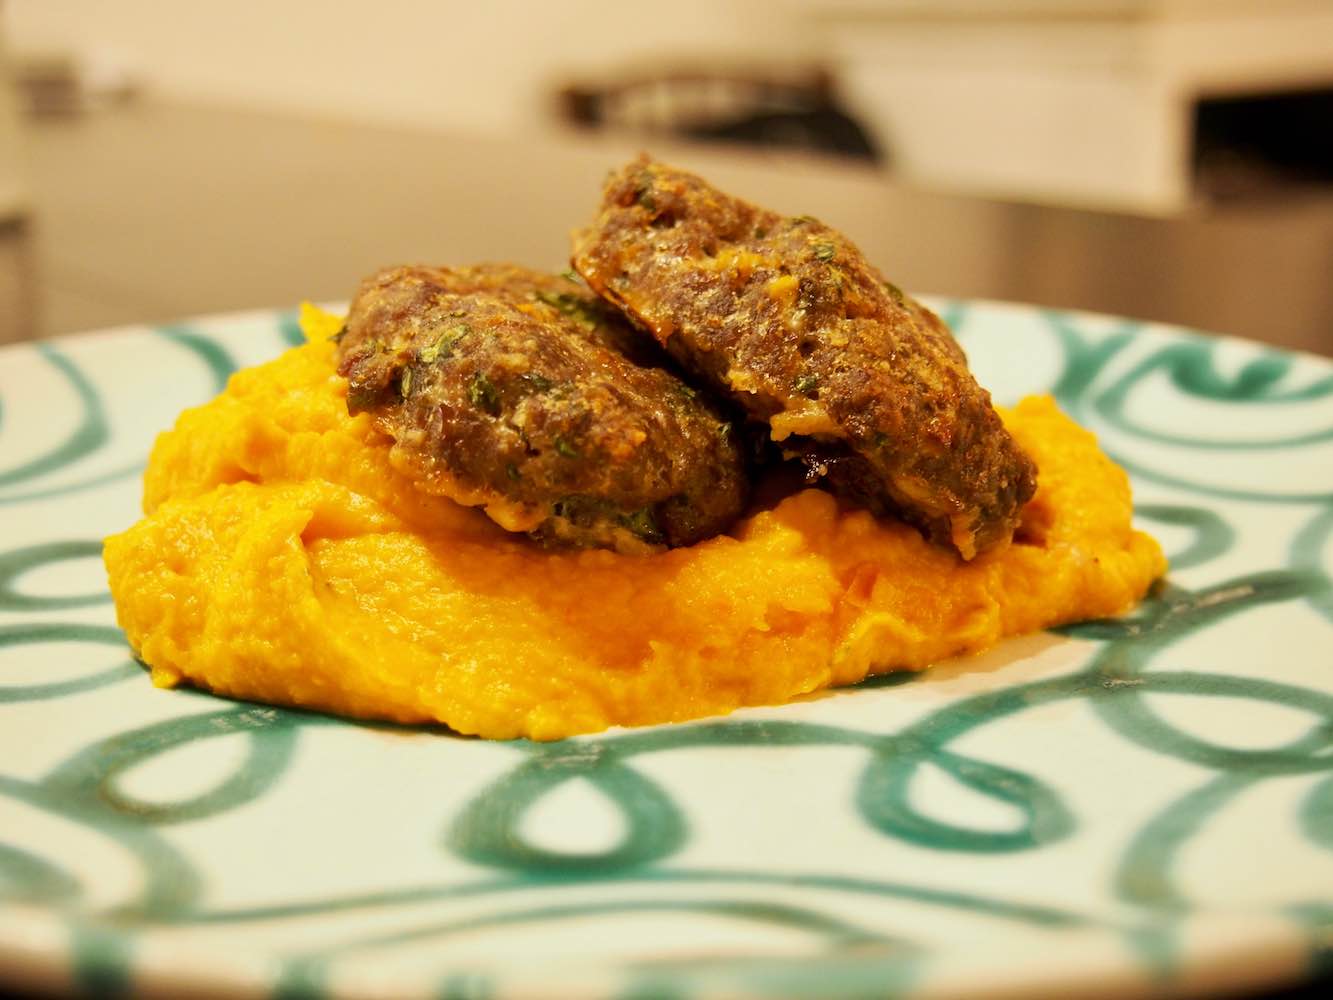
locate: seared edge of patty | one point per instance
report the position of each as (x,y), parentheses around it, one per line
(786,317)
(524,393)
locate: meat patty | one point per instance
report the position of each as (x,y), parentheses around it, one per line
(787,318)
(524,393)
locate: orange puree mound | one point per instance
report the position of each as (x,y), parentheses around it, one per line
(283,559)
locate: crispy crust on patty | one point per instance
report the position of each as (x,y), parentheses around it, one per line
(524,393)
(787,318)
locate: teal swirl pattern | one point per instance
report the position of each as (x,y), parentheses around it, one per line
(1087,803)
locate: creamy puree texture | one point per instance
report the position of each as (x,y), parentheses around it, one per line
(283,559)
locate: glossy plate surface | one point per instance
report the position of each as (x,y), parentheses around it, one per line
(1117,808)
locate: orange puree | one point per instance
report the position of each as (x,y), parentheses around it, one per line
(283,559)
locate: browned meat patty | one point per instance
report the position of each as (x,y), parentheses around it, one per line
(524,393)
(785,316)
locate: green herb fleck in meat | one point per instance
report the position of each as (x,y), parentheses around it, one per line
(644,524)
(481,392)
(643,194)
(572,305)
(562,301)
(536,382)
(443,347)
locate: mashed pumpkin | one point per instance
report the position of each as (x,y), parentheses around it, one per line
(283,559)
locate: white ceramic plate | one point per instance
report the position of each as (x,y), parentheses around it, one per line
(1118,808)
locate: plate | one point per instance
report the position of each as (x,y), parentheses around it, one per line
(1119,807)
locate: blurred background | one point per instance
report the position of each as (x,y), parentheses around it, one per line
(1164,159)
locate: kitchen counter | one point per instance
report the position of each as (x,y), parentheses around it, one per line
(151,212)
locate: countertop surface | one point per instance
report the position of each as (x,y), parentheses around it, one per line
(151,212)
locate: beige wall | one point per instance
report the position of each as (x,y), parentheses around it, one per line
(482,64)
(1066,101)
